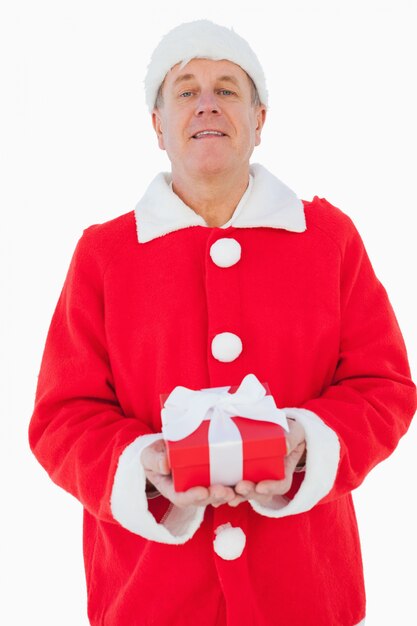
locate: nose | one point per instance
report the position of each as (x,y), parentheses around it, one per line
(207,103)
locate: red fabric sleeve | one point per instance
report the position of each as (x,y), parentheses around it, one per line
(78,430)
(372,399)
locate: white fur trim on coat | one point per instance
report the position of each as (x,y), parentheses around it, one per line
(322,461)
(129,504)
(201,39)
(266,202)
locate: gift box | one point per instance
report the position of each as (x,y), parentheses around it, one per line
(222,435)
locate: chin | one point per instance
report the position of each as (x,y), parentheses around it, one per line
(211,167)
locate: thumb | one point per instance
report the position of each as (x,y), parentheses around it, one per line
(293,458)
(295,436)
(154,458)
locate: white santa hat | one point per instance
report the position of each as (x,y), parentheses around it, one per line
(201,39)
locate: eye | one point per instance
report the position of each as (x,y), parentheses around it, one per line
(227,91)
(184,93)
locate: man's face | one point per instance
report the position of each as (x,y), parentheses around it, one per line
(208,95)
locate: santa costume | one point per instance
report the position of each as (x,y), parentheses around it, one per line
(156,298)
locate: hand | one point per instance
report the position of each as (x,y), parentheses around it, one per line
(155,462)
(264,491)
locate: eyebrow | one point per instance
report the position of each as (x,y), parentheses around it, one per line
(225,78)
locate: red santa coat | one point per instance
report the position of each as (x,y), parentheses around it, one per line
(154,299)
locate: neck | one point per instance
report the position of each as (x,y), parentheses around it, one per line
(214,198)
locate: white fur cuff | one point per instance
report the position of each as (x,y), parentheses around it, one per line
(129,504)
(323,453)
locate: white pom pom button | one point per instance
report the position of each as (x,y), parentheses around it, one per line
(229,542)
(225,252)
(226,347)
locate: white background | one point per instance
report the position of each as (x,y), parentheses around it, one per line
(77,148)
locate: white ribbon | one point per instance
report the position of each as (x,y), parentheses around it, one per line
(185,410)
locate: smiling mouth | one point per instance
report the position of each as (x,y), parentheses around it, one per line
(208,133)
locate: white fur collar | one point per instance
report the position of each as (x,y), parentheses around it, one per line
(266,202)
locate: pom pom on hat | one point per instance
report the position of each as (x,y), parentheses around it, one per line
(229,542)
(201,39)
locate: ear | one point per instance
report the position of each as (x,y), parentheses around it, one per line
(260,121)
(157,124)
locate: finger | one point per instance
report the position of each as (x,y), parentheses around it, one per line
(244,487)
(295,436)
(196,496)
(290,463)
(165,485)
(159,445)
(299,451)
(190,497)
(155,458)
(162,483)
(293,458)
(220,494)
(236,500)
(268,487)
(280,487)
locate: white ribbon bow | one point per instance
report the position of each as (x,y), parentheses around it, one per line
(185,409)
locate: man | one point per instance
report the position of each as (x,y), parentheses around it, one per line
(220,272)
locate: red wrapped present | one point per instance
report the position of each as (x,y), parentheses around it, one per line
(223,435)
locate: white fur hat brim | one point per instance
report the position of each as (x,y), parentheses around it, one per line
(205,40)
